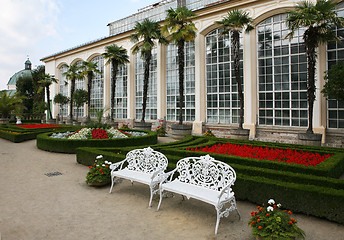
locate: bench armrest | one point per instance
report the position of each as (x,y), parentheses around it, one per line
(166,177)
(116,165)
(226,190)
(157,174)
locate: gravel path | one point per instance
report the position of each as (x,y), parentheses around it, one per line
(37,206)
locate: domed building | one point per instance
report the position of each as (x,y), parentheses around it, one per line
(25,73)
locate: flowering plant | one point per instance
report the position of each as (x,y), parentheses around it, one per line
(125,126)
(161,131)
(209,133)
(100,171)
(37,126)
(273,223)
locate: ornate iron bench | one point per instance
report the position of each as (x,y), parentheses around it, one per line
(205,179)
(141,165)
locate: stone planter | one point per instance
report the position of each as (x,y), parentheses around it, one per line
(99,184)
(69,121)
(112,123)
(312,139)
(77,123)
(51,121)
(4,120)
(179,131)
(143,125)
(240,134)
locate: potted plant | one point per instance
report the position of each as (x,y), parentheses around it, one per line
(208,133)
(80,98)
(99,174)
(61,100)
(161,131)
(271,222)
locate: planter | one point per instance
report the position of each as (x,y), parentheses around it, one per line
(143,125)
(112,123)
(241,134)
(18,122)
(51,121)
(99,184)
(77,123)
(179,131)
(311,139)
(69,121)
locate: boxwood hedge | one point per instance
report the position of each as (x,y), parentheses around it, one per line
(47,143)
(316,191)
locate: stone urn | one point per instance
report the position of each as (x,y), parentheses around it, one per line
(312,139)
(179,131)
(18,122)
(51,121)
(240,134)
(143,125)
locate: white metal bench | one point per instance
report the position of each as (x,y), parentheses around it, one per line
(141,165)
(205,179)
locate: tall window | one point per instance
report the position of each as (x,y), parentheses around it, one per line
(121,92)
(79,84)
(151,109)
(282,75)
(222,97)
(172,82)
(98,85)
(335,52)
(63,89)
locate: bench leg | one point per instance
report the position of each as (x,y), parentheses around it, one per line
(217,220)
(112,183)
(151,197)
(160,199)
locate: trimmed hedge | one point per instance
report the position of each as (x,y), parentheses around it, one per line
(18,134)
(310,190)
(47,143)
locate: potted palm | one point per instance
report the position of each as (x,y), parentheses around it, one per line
(116,56)
(180,29)
(319,20)
(45,83)
(8,104)
(149,31)
(234,23)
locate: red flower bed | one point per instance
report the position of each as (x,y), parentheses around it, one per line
(99,134)
(266,153)
(37,126)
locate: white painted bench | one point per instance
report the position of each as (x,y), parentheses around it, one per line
(205,179)
(141,165)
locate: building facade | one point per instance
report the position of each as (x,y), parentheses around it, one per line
(274,72)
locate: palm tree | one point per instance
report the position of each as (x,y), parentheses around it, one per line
(181,28)
(319,20)
(45,82)
(61,100)
(116,56)
(88,70)
(234,23)
(72,74)
(149,31)
(80,97)
(9,103)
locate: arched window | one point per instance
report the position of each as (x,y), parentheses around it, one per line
(151,109)
(79,84)
(63,89)
(98,85)
(172,82)
(282,75)
(335,52)
(222,97)
(121,98)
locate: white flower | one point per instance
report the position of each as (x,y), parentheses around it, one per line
(279,205)
(99,157)
(270,209)
(271,202)
(106,162)
(110,163)
(103,165)
(97,165)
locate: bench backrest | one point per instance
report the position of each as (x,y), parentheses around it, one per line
(146,160)
(205,171)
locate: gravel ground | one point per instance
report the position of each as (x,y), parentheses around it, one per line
(35,205)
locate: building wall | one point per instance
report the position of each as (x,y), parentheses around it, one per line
(259,11)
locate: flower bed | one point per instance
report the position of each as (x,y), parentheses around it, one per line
(38,126)
(265,153)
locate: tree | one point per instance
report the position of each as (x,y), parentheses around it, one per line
(87,70)
(80,97)
(334,87)
(181,28)
(45,82)
(72,74)
(37,74)
(24,87)
(319,20)
(62,100)
(148,31)
(9,103)
(234,23)
(116,56)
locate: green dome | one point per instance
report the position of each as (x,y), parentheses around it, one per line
(23,73)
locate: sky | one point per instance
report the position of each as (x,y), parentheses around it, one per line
(39,28)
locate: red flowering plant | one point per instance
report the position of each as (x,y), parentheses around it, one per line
(271,222)
(100,172)
(37,126)
(161,130)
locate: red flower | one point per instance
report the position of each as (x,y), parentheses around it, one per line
(37,126)
(290,222)
(260,227)
(268,214)
(290,212)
